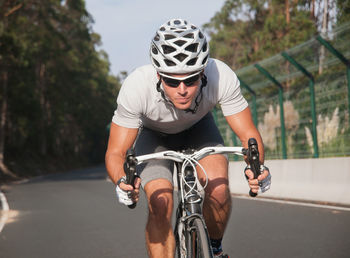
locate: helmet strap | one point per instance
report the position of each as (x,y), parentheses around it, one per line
(160,90)
(199,96)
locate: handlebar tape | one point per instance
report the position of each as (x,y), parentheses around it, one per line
(253,158)
(130,170)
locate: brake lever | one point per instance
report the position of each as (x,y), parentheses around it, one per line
(253,158)
(130,171)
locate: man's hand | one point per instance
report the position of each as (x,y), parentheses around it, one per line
(263,181)
(127,194)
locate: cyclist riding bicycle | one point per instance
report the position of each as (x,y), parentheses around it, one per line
(171,100)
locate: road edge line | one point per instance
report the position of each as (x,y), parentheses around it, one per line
(297,203)
(5,208)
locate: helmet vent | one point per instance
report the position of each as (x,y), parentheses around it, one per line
(193,27)
(156,62)
(169,36)
(192,48)
(154,50)
(205,60)
(156,37)
(169,63)
(181,57)
(200,34)
(189,36)
(168,49)
(162,29)
(177,22)
(180,42)
(192,61)
(205,46)
(179,31)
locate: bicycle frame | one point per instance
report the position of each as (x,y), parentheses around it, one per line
(189,218)
(189,209)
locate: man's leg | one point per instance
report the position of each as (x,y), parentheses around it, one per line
(159,234)
(217,203)
(156,179)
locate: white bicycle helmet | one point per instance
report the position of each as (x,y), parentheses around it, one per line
(179,47)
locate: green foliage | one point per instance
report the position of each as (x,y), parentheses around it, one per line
(245,31)
(60,93)
(343,11)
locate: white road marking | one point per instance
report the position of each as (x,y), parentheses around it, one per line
(315,205)
(4,212)
(4,204)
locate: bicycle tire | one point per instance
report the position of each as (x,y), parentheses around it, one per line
(197,240)
(180,240)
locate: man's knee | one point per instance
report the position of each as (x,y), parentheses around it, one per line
(218,191)
(160,200)
(216,167)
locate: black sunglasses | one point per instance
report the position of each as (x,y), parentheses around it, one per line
(174,83)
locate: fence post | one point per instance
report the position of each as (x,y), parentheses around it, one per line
(312,98)
(255,114)
(280,97)
(342,58)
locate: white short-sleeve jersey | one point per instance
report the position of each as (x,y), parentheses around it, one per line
(139,102)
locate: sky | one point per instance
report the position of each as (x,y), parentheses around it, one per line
(127,26)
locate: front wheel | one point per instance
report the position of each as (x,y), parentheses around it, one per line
(197,240)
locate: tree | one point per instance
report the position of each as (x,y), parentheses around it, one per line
(56,90)
(343,11)
(8,8)
(245,31)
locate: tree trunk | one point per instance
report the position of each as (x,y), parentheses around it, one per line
(270,8)
(323,32)
(325,17)
(287,12)
(3,167)
(312,10)
(40,82)
(256,45)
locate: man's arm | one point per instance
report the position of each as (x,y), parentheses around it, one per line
(120,140)
(242,124)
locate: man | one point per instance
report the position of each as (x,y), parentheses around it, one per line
(172,100)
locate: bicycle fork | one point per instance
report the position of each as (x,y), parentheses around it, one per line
(188,211)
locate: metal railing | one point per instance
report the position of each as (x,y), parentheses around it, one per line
(300,98)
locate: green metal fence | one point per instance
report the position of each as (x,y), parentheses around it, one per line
(300,99)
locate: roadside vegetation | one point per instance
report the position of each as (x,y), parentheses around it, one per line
(57,92)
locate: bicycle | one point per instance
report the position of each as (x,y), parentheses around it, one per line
(191,234)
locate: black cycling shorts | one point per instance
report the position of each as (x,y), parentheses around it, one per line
(203,134)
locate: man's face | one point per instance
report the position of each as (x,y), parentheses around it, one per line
(181,89)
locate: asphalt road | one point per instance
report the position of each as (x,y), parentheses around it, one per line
(76,215)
